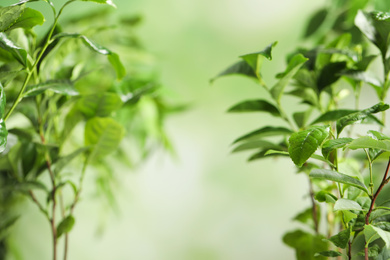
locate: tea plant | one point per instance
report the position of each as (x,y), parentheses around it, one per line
(68,106)
(349,216)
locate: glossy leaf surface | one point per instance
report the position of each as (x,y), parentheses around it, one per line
(304,143)
(337,177)
(28,19)
(18,53)
(9,15)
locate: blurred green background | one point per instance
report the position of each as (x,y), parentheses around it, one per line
(204,203)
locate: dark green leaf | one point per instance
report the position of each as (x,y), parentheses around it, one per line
(329,74)
(28,19)
(323,196)
(240,68)
(18,53)
(294,65)
(337,177)
(264,132)
(359,116)
(332,115)
(250,65)
(9,15)
(255,106)
(102,104)
(255,145)
(65,226)
(315,22)
(329,253)
(301,118)
(304,143)
(331,145)
(63,87)
(104,135)
(305,244)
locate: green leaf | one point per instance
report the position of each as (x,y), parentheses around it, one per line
(346,204)
(301,118)
(255,145)
(104,135)
(102,104)
(108,2)
(264,132)
(362,76)
(255,106)
(65,226)
(65,160)
(250,65)
(294,65)
(304,143)
(324,196)
(329,253)
(9,15)
(28,19)
(113,58)
(17,53)
(331,145)
(376,27)
(63,87)
(359,116)
(3,128)
(337,177)
(305,244)
(368,142)
(332,115)
(372,233)
(329,74)
(315,22)
(239,68)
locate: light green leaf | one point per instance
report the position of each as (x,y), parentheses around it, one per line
(101,105)
(331,145)
(28,19)
(304,143)
(264,132)
(368,142)
(301,118)
(17,53)
(337,177)
(65,226)
(3,128)
(359,116)
(113,58)
(294,65)
(346,204)
(376,27)
(372,233)
(104,135)
(65,160)
(63,87)
(108,2)
(9,15)
(255,106)
(255,59)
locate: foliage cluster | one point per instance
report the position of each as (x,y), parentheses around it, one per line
(69,105)
(325,133)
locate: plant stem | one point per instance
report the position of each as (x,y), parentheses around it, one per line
(370,169)
(76,199)
(314,208)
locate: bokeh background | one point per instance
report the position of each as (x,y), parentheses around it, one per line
(203,203)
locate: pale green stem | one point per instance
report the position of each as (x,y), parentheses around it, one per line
(370,169)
